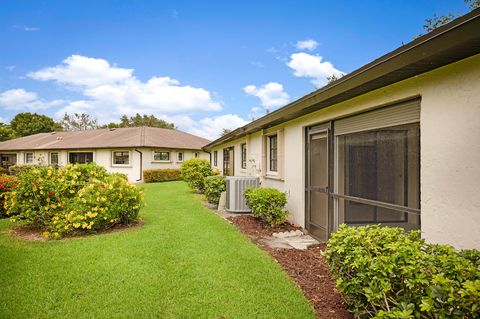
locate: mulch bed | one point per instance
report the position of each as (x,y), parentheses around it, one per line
(308,268)
(36,234)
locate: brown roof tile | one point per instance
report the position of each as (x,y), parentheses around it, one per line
(107,138)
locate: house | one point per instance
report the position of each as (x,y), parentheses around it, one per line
(121,150)
(395,142)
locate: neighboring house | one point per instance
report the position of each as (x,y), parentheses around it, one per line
(395,142)
(122,150)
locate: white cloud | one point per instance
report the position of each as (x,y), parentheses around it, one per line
(209,127)
(256,112)
(309,45)
(311,66)
(271,94)
(19,99)
(10,67)
(110,91)
(26,28)
(81,71)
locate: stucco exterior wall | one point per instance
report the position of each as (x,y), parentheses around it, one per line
(104,157)
(450,149)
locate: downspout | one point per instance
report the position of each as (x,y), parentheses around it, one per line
(141,165)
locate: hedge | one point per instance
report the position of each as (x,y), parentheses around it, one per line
(390,273)
(162,175)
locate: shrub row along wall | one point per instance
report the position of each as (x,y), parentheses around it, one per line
(162,175)
(390,273)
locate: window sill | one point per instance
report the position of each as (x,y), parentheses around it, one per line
(122,166)
(161,162)
(274,177)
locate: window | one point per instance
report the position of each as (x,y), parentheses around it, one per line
(381,165)
(180,157)
(228,159)
(244,155)
(120,158)
(54,159)
(215,158)
(273,148)
(196,155)
(161,156)
(80,157)
(29,158)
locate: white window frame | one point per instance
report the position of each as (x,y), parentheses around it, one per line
(183,157)
(50,158)
(121,165)
(26,156)
(161,161)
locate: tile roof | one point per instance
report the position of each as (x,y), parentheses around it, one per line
(107,138)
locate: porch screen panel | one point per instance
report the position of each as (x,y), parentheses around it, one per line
(382,165)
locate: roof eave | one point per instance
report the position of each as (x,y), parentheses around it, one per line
(452,42)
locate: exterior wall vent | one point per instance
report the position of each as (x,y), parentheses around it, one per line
(236,186)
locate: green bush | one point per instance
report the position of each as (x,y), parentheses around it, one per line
(162,175)
(267,204)
(7,184)
(194,172)
(17,169)
(76,198)
(214,186)
(390,273)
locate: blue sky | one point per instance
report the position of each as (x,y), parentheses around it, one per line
(206,65)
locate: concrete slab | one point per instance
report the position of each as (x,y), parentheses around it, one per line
(300,242)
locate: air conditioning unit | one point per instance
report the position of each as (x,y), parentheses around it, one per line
(236,186)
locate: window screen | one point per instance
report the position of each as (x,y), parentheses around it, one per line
(80,157)
(121,158)
(244,155)
(381,165)
(273,147)
(161,156)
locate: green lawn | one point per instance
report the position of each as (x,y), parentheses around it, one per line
(185,262)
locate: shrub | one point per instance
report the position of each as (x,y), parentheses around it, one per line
(216,172)
(267,204)
(56,199)
(162,175)
(194,172)
(7,184)
(214,186)
(17,169)
(389,273)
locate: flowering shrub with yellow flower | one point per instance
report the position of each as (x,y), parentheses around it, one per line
(73,199)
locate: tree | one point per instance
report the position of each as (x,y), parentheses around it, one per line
(437,21)
(333,78)
(27,123)
(79,122)
(6,132)
(225,131)
(140,120)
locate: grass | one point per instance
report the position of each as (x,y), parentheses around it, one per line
(185,262)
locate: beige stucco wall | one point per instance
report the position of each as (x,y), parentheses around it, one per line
(450,149)
(104,157)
